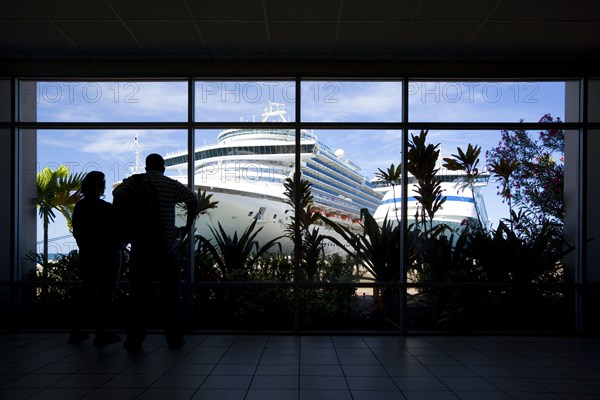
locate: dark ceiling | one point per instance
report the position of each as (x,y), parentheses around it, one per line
(450,30)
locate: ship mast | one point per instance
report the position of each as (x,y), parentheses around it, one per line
(135,145)
(273,110)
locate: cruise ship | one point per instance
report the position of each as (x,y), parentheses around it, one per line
(464,202)
(245,172)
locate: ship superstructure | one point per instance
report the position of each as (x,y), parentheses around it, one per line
(246,170)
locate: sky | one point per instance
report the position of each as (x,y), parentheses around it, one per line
(112,151)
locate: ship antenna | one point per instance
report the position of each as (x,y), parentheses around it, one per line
(274,110)
(135,145)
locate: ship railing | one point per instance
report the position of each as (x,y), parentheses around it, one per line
(358,180)
(359,194)
(337,160)
(337,203)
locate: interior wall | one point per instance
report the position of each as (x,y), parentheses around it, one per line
(6,173)
(592,265)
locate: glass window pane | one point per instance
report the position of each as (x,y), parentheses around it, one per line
(594,101)
(248,308)
(100,101)
(341,174)
(245,101)
(343,101)
(5,100)
(115,153)
(443,101)
(244,170)
(473,188)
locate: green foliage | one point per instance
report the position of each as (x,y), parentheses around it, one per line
(310,240)
(537,170)
(504,170)
(440,258)
(393,177)
(205,202)
(521,252)
(57,190)
(422,159)
(467,162)
(62,271)
(233,254)
(377,249)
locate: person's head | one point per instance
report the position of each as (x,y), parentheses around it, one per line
(155,162)
(93,184)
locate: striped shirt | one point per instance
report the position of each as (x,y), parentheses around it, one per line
(170,193)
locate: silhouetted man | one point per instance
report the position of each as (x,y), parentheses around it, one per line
(156,256)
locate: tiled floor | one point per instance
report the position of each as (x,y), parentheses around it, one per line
(245,367)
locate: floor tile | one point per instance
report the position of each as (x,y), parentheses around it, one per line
(481,395)
(364,370)
(429,395)
(567,386)
(516,385)
(412,370)
(45,367)
(233,369)
(274,382)
(324,394)
(264,394)
(325,360)
(132,381)
(372,383)
(217,394)
(162,394)
(323,383)
(321,370)
(113,394)
(455,370)
(58,394)
(534,396)
(179,381)
(16,394)
(83,381)
(227,382)
(377,395)
(35,381)
(277,369)
(406,383)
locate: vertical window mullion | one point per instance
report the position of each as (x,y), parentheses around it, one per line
(404,206)
(191,138)
(297,177)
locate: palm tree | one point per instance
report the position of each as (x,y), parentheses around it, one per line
(311,242)
(422,159)
(503,171)
(392,176)
(467,163)
(56,190)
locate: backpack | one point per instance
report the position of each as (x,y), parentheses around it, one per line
(138,212)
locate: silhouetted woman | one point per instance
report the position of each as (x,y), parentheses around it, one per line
(99,259)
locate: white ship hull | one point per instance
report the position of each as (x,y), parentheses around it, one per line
(241,204)
(462,205)
(245,173)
